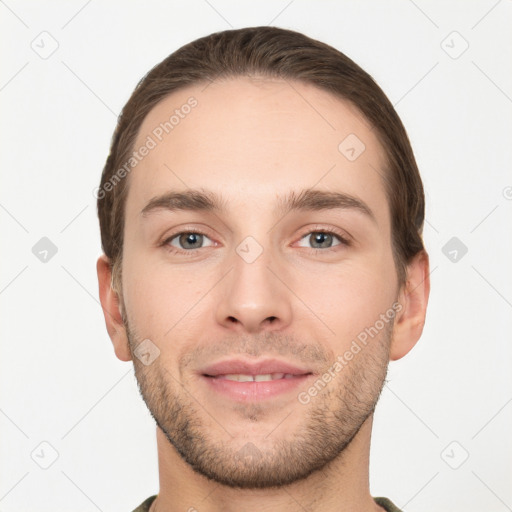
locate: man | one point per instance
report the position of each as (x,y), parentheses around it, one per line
(261,215)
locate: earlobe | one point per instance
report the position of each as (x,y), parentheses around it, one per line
(414,299)
(111,309)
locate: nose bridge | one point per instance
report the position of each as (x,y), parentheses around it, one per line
(253,299)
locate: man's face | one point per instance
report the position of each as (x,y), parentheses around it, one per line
(252,281)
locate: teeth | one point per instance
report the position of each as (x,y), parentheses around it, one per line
(240,377)
(243,378)
(261,378)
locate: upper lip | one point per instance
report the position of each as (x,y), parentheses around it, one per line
(263,367)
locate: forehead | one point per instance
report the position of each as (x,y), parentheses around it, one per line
(258,138)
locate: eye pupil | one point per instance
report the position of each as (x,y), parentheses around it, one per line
(191,238)
(321,238)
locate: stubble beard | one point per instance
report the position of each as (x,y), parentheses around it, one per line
(328,424)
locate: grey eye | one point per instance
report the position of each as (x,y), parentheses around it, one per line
(188,240)
(321,240)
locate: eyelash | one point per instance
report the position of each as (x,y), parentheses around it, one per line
(191,252)
(344,241)
(173,250)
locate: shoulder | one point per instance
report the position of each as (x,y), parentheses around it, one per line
(144,506)
(386,504)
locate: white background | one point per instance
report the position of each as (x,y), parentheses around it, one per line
(60,380)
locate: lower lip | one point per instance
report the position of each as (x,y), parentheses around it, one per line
(254,391)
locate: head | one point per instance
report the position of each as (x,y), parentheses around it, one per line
(289,172)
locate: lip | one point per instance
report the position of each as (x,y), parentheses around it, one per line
(265,366)
(213,377)
(254,391)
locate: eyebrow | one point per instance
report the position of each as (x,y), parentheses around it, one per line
(305,200)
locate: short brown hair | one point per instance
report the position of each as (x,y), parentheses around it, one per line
(274,53)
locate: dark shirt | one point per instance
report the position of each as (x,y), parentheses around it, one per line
(383,502)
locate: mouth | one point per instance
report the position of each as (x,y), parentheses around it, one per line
(264,367)
(262,377)
(246,381)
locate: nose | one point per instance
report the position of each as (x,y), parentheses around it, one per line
(253,297)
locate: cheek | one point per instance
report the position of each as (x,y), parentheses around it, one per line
(350,298)
(157,298)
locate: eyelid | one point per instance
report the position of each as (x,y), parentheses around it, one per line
(181,231)
(345,238)
(178,235)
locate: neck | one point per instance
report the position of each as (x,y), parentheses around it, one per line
(341,486)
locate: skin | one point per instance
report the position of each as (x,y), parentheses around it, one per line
(252,141)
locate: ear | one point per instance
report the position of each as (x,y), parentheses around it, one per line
(413,297)
(112,310)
